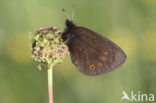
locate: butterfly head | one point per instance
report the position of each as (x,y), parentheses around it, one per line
(70,27)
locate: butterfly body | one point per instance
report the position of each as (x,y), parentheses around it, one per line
(90,52)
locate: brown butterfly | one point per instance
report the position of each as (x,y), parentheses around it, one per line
(91,53)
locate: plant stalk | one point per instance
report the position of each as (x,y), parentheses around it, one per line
(50,85)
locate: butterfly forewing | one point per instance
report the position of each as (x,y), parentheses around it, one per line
(93,54)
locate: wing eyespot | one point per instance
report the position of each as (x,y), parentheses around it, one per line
(92,67)
(105,53)
(104,58)
(100,64)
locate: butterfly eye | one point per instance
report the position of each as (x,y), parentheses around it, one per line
(104,58)
(92,67)
(105,53)
(100,64)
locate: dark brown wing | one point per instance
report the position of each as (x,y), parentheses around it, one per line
(93,54)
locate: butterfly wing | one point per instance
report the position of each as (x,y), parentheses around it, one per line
(93,54)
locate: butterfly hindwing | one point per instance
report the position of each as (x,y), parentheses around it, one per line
(93,54)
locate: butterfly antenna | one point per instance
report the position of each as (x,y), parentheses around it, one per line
(73,12)
(65,12)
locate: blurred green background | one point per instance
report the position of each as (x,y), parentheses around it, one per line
(129,23)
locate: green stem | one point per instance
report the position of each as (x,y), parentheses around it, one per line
(50,85)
